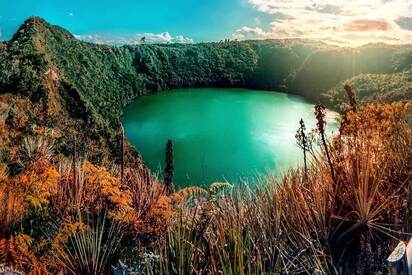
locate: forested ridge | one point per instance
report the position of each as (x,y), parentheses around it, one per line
(69,80)
(75,198)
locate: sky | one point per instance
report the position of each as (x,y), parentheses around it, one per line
(344,22)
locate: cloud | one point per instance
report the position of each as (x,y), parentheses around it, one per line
(150,38)
(183,40)
(247,33)
(405,23)
(333,21)
(328,8)
(365,25)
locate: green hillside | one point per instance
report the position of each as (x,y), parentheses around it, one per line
(377,88)
(73,86)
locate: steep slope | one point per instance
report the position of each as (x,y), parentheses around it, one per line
(79,89)
(325,69)
(377,88)
(107,78)
(51,81)
(38,100)
(279,61)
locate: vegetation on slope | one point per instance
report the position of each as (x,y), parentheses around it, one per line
(55,82)
(68,215)
(372,88)
(325,69)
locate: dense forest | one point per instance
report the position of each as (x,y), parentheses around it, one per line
(377,88)
(92,83)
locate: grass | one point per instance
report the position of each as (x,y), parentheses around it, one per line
(90,248)
(344,212)
(313,223)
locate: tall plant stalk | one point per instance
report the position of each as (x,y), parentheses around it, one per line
(321,123)
(74,161)
(169,169)
(302,142)
(122,155)
(351,97)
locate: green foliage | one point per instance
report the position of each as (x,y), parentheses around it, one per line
(92,83)
(180,252)
(326,68)
(368,88)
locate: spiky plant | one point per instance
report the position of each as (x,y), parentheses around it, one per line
(182,252)
(145,190)
(34,150)
(90,250)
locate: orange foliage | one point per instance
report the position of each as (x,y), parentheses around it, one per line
(155,220)
(150,210)
(67,229)
(160,214)
(375,120)
(12,207)
(17,252)
(28,260)
(39,183)
(359,155)
(8,254)
(102,189)
(3,128)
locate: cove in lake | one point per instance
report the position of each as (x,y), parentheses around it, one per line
(218,134)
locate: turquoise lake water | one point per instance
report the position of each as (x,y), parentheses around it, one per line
(218,134)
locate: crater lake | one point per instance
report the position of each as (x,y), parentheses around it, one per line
(219,134)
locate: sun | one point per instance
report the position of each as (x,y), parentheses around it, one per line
(347,23)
